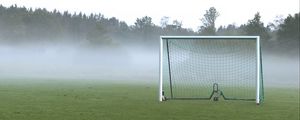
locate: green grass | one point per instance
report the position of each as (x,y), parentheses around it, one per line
(91,100)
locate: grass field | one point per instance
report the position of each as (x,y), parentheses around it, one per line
(95,100)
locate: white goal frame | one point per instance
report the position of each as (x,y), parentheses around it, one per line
(258,54)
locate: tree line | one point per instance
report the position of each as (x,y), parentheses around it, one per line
(20,24)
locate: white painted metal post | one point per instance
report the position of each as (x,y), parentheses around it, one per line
(258,70)
(161,70)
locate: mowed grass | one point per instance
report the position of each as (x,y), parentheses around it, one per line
(95,100)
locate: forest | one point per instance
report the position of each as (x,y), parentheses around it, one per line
(20,25)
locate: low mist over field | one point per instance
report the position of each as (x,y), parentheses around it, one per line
(137,63)
(67,61)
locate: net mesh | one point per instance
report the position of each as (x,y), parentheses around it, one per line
(192,66)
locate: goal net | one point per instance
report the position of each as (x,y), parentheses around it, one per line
(210,67)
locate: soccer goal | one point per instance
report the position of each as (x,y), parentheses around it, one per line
(210,68)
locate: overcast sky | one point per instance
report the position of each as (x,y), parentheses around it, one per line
(188,11)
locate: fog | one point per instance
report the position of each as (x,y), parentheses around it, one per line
(281,70)
(70,61)
(124,63)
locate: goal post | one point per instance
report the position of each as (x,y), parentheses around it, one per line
(210,67)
